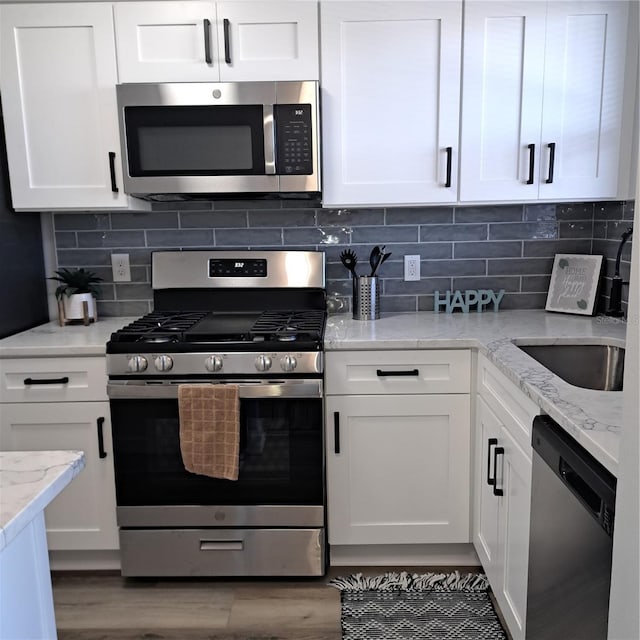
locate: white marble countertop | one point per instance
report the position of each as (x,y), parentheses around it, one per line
(29,481)
(71,340)
(593,418)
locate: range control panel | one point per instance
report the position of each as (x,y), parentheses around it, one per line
(241,268)
(293,133)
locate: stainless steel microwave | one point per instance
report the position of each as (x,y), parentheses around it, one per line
(222,138)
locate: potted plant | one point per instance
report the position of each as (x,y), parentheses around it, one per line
(76,294)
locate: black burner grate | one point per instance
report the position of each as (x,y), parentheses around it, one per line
(159,327)
(289,325)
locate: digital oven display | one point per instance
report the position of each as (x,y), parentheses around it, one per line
(241,268)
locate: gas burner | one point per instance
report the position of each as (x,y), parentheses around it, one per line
(158,339)
(286,334)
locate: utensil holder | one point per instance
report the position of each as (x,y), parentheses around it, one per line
(366,298)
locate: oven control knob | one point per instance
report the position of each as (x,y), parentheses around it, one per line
(136,364)
(288,363)
(213,363)
(163,363)
(263,363)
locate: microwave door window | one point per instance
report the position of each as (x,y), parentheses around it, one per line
(195,140)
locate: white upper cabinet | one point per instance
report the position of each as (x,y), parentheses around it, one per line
(210,42)
(543,94)
(390,78)
(58,77)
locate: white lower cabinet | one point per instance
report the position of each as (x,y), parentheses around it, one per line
(397,463)
(61,403)
(83,516)
(502,500)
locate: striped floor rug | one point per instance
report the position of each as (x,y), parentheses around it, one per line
(431,606)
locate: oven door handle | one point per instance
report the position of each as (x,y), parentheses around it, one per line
(139,389)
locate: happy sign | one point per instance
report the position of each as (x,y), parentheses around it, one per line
(464,301)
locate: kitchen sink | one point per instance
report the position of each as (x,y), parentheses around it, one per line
(591,366)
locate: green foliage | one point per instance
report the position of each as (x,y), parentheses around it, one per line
(75,281)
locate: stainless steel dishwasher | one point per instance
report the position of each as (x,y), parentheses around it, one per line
(572,513)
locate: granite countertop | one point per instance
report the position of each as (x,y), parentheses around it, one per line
(29,481)
(71,340)
(593,418)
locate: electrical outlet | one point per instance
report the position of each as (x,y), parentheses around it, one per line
(120,267)
(411,268)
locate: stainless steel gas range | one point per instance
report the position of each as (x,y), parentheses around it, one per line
(254,319)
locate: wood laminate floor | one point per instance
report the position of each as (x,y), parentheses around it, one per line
(109,607)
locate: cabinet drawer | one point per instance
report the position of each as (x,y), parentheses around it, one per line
(398,372)
(514,409)
(53,379)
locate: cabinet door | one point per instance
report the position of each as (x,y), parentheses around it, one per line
(268,40)
(398,469)
(167,41)
(514,478)
(584,80)
(501,100)
(83,516)
(390,98)
(58,75)
(486,510)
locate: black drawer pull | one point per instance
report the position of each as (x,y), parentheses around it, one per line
(532,160)
(449,151)
(101,452)
(498,451)
(336,431)
(227,40)
(63,380)
(207,40)
(112,171)
(552,161)
(491,442)
(409,372)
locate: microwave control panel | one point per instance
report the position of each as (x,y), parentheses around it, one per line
(293,133)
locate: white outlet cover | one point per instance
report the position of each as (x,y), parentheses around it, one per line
(411,268)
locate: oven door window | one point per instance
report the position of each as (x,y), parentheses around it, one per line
(281,459)
(195,140)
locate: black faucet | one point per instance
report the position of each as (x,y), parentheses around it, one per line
(615,297)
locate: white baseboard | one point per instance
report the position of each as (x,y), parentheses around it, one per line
(85,560)
(433,555)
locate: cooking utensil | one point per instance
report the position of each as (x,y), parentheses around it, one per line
(349,260)
(383,257)
(374,258)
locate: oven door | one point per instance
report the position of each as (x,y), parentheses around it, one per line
(281,472)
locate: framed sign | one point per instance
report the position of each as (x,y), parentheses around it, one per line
(574,283)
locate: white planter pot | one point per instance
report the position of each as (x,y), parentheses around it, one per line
(73,308)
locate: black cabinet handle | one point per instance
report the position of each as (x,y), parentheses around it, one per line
(227,38)
(552,161)
(207,41)
(449,151)
(63,380)
(532,160)
(101,452)
(409,372)
(336,432)
(498,451)
(491,442)
(112,171)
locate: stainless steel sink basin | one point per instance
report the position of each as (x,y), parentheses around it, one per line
(591,366)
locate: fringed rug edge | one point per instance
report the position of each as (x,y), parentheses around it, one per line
(404,581)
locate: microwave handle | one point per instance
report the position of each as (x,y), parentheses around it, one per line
(269,140)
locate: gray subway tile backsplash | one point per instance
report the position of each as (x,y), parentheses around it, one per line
(507,247)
